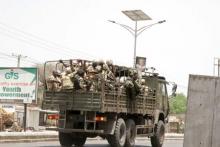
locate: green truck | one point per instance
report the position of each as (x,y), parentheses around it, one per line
(109,113)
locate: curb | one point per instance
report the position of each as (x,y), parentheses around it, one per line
(42,137)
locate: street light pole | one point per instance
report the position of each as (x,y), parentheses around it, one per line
(135,43)
(136,15)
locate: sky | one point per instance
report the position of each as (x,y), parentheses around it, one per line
(42,30)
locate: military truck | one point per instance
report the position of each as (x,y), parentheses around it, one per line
(108,112)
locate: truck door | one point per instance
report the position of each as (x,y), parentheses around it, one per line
(163,104)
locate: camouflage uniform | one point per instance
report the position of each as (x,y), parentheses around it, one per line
(54,81)
(132,86)
(67,80)
(91,80)
(108,76)
(79,82)
(144,87)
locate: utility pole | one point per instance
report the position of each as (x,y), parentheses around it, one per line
(19,56)
(216,63)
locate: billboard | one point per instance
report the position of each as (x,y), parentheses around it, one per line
(18,83)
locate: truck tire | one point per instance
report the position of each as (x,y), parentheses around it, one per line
(158,138)
(65,139)
(118,138)
(78,140)
(130,133)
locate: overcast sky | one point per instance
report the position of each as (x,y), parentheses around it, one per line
(62,29)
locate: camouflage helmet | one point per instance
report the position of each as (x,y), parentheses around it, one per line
(143,81)
(56,73)
(98,68)
(130,72)
(68,70)
(109,62)
(90,69)
(80,72)
(101,62)
(105,67)
(94,64)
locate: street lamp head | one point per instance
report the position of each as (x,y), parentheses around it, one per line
(162,21)
(112,21)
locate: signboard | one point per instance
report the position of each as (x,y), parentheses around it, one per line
(18,83)
(141,63)
(27,100)
(8,108)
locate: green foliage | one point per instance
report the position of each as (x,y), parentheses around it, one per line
(178,104)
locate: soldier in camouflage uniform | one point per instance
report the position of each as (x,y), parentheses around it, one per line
(144,88)
(91,78)
(132,86)
(54,81)
(108,77)
(79,82)
(66,79)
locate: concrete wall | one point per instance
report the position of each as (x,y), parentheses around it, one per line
(202,125)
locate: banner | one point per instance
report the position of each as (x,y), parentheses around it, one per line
(18,83)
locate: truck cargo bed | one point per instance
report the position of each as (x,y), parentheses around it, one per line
(96,101)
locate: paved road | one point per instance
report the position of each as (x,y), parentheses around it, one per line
(92,143)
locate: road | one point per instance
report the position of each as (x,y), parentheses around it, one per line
(92,143)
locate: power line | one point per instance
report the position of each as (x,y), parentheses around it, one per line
(31,43)
(7,58)
(42,41)
(11,57)
(34,40)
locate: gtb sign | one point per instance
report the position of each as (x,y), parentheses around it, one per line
(18,83)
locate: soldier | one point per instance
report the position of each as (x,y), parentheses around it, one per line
(64,64)
(91,78)
(136,82)
(99,66)
(144,87)
(108,76)
(79,82)
(66,79)
(110,65)
(100,77)
(129,85)
(54,81)
(132,86)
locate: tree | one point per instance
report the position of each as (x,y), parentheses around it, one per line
(178,104)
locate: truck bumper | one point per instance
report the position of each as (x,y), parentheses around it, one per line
(75,130)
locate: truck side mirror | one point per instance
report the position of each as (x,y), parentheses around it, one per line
(174,88)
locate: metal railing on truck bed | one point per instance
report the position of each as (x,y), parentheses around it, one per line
(72,100)
(143,104)
(97,101)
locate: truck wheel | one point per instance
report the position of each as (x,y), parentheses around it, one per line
(158,138)
(78,140)
(130,133)
(65,139)
(118,139)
